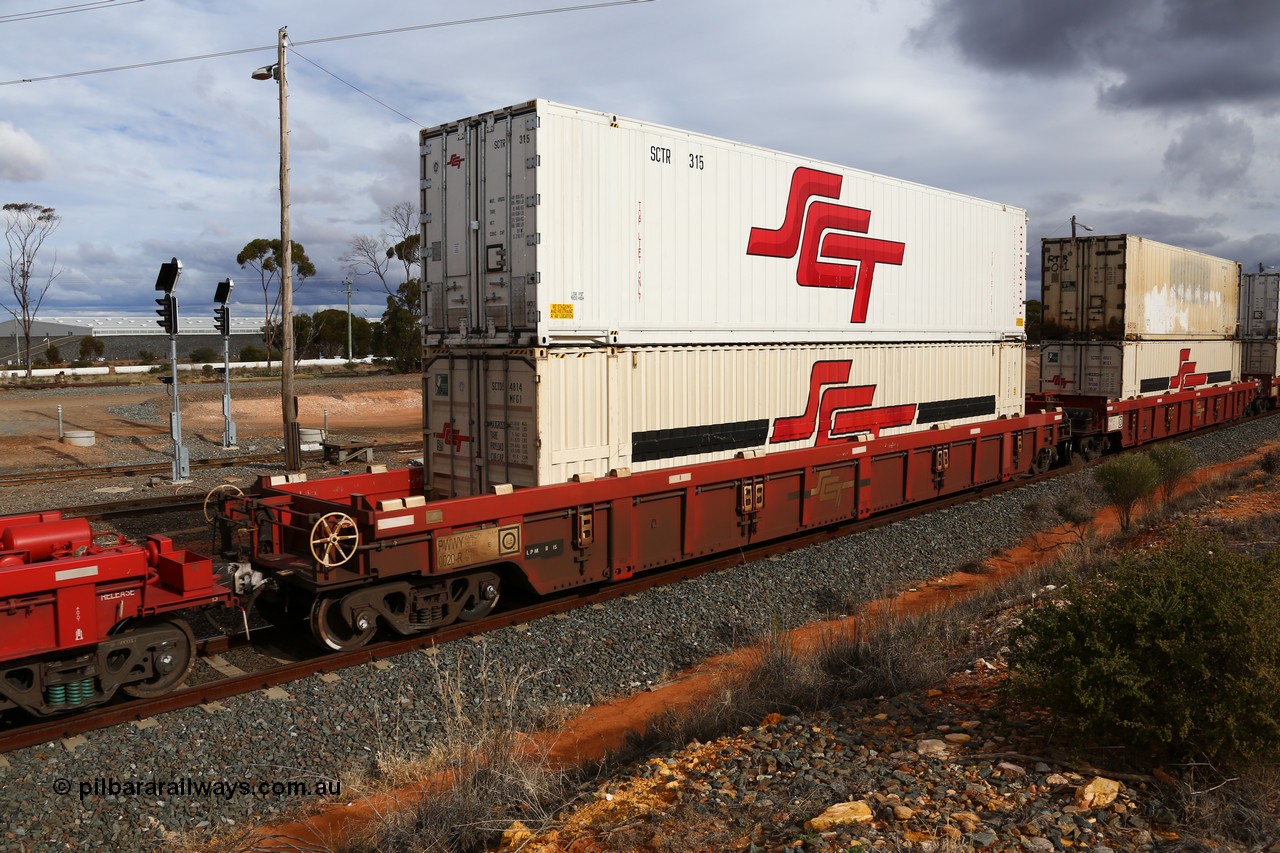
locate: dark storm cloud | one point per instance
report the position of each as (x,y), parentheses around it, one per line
(1163,53)
(1212,151)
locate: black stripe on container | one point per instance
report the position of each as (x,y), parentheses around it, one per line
(1218,376)
(949,410)
(687,441)
(1147,386)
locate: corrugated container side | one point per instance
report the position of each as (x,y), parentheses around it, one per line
(1259,304)
(1260,358)
(539,416)
(1122,287)
(1120,370)
(549,225)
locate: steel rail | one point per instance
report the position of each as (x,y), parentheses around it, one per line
(117,713)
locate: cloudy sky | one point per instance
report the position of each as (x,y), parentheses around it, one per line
(1153,117)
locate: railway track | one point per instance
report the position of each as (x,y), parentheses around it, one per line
(146,469)
(119,712)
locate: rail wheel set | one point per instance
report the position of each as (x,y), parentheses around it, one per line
(589,415)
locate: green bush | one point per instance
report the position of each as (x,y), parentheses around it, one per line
(1126,480)
(205,354)
(1173,463)
(249,352)
(1175,651)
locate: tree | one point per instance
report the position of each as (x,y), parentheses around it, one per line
(265,257)
(1126,480)
(400,240)
(26,227)
(91,346)
(401,338)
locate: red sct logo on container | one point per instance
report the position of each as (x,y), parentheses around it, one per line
(823,231)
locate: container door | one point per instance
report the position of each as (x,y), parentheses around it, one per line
(457,211)
(480,426)
(1102,286)
(1259,305)
(448,426)
(431,188)
(508,254)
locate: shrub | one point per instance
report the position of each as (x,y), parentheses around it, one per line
(1126,480)
(1174,650)
(205,354)
(1173,463)
(249,352)
(146,356)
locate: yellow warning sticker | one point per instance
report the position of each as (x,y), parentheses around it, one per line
(1019,321)
(561,310)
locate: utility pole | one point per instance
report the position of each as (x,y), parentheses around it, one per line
(347,282)
(292,444)
(1075,224)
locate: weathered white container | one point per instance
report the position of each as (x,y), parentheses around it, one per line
(541,415)
(1260,358)
(1122,287)
(548,225)
(1119,370)
(1259,305)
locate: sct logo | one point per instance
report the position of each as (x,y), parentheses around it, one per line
(455,161)
(823,231)
(1187,378)
(450,436)
(838,412)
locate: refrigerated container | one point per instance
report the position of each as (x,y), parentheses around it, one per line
(1123,287)
(542,415)
(549,225)
(1120,370)
(1259,358)
(1259,305)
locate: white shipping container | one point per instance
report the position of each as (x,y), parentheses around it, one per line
(1122,287)
(541,415)
(548,225)
(1260,358)
(1119,370)
(1259,304)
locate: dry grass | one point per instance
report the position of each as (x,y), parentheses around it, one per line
(483,772)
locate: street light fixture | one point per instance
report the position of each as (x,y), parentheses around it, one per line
(292,444)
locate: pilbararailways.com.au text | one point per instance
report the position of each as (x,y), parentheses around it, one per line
(189,787)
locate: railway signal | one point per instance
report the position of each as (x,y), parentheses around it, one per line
(222,318)
(167,283)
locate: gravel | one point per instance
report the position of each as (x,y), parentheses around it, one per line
(335,730)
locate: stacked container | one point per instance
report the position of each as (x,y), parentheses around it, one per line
(603,293)
(1129,317)
(1259,312)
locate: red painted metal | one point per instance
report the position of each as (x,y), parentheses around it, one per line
(61,593)
(575,534)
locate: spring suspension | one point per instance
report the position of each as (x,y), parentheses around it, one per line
(72,693)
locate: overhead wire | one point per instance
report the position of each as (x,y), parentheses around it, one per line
(53,11)
(395,30)
(355,88)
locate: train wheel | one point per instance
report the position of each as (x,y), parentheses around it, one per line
(335,631)
(172,649)
(1041,462)
(479,595)
(1090,448)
